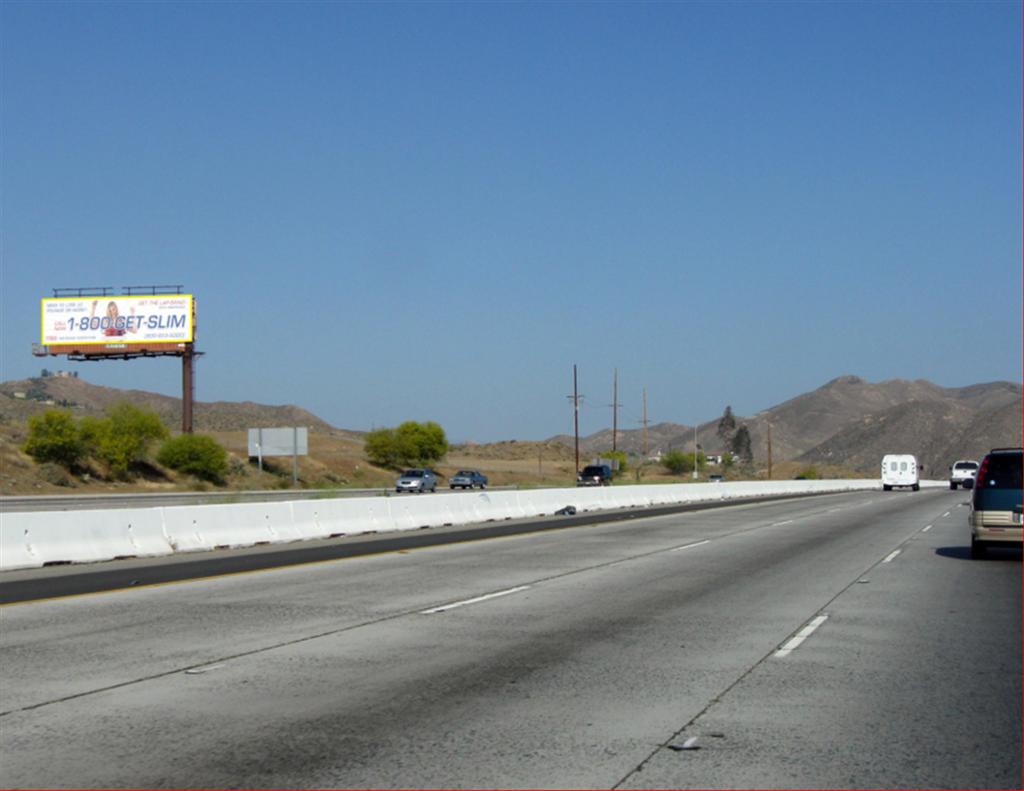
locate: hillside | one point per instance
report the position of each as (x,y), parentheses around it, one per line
(931,431)
(84,398)
(853,422)
(845,426)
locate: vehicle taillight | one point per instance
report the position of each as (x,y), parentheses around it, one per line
(982,471)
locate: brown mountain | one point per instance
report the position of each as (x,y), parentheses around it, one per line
(930,430)
(853,422)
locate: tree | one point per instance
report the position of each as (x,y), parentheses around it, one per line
(382,447)
(54,437)
(619,456)
(195,454)
(122,437)
(741,445)
(679,463)
(726,428)
(410,444)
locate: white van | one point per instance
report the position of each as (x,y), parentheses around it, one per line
(900,470)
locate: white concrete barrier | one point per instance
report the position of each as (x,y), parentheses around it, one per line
(32,539)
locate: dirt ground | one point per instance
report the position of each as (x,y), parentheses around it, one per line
(336,460)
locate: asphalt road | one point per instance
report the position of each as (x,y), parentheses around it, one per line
(639,654)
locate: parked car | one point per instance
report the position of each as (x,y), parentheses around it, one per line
(419,480)
(962,473)
(594,475)
(716,478)
(900,470)
(995,516)
(468,479)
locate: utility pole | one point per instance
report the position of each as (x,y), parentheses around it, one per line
(646,447)
(615,411)
(769,451)
(576,415)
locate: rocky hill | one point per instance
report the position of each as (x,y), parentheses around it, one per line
(20,399)
(854,422)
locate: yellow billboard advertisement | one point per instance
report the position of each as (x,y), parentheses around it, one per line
(158,318)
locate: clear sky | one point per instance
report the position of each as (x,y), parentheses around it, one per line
(430,211)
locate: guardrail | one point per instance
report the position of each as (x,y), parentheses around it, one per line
(34,539)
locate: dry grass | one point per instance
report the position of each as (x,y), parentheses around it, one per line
(336,460)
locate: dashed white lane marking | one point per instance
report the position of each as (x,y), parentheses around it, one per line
(802,635)
(926,529)
(945,514)
(195,671)
(463,603)
(690,546)
(833,510)
(777,524)
(891,555)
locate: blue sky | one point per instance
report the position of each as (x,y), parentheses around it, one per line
(431,211)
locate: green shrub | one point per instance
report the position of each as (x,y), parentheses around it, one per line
(54,437)
(123,436)
(195,454)
(619,456)
(809,474)
(679,463)
(410,444)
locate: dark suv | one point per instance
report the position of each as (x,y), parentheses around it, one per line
(996,502)
(594,475)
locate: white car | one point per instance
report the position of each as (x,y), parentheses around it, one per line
(963,473)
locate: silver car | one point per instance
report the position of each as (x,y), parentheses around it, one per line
(418,480)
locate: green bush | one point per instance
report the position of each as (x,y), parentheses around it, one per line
(620,456)
(809,474)
(123,436)
(195,454)
(53,437)
(679,463)
(410,444)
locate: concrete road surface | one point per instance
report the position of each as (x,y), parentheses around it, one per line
(841,641)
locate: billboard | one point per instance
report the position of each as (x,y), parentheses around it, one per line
(104,321)
(288,441)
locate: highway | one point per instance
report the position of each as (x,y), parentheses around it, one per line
(841,641)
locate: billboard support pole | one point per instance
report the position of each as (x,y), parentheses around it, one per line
(187,389)
(295,455)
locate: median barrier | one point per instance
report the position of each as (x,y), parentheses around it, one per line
(15,550)
(36,539)
(31,539)
(195,527)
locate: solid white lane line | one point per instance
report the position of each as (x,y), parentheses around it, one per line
(453,605)
(777,524)
(691,546)
(891,555)
(926,529)
(802,635)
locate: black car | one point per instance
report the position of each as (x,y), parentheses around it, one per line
(594,475)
